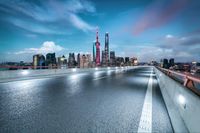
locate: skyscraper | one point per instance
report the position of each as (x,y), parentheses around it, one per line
(94,53)
(134,61)
(119,61)
(127,61)
(78,60)
(165,63)
(62,62)
(171,62)
(97,50)
(38,61)
(103,56)
(71,60)
(51,59)
(107,48)
(112,58)
(85,60)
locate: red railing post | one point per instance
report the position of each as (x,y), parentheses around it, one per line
(189,83)
(168,73)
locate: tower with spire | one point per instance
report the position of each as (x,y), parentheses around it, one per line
(97,49)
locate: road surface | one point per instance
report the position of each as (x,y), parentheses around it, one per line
(99,101)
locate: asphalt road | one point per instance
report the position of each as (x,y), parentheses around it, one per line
(101,101)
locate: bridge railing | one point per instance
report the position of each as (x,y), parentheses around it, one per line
(190,81)
(10,67)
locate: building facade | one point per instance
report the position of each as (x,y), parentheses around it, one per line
(171,62)
(103,56)
(51,60)
(112,58)
(119,61)
(38,61)
(62,62)
(164,63)
(94,52)
(78,60)
(107,48)
(85,61)
(127,61)
(71,60)
(134,61)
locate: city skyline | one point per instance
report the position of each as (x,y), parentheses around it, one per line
(148,30)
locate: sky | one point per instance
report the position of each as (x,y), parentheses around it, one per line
(146,29)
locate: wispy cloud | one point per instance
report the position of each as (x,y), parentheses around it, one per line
(78,6)
(80,24)
(36,17)
(36,27)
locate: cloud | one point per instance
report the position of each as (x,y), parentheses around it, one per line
(47,47)
(182,41)
(31,35)
(159,14)
(80,24)
(183,48)
(169,46)
(27,53)
(78,5)
(36,27)
(45,17)
(169,36)
(149,53)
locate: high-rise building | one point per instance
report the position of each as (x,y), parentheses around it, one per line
(62,62)
(51,60)
(127,61)
(94,52)
(171,62)
(85,61)
(97,50)
(107,48)
(164,63)
(112,58)
(71,60)
(119,61)
(38,61)
(103,56)
(78,60)
(134,61)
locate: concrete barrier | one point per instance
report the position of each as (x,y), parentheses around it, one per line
(182,104)
(13,75)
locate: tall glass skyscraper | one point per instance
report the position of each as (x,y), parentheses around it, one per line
(107,47)
(94,52)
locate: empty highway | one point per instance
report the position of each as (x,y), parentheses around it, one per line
(98,101)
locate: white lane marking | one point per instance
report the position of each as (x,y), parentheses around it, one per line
(100,78)
(145,124)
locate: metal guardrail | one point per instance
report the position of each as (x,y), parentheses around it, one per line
(10,67)
(188,80)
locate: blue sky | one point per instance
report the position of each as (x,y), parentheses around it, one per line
(147,29)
